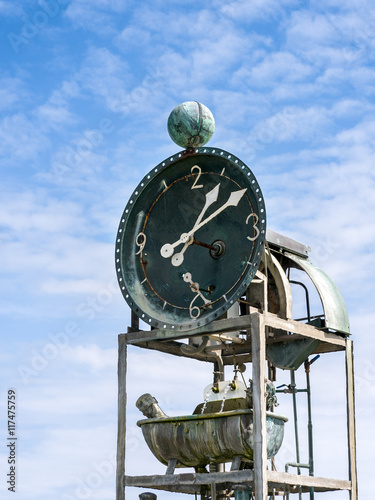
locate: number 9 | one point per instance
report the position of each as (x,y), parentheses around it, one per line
(140,244)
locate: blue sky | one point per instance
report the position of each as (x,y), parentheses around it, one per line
(86,87)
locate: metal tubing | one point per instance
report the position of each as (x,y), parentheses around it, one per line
(307,297)
(293,387)
(294,464)
(310,425)
(189,349)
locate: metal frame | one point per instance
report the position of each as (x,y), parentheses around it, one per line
(252,349)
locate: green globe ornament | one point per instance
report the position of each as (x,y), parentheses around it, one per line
(191,124)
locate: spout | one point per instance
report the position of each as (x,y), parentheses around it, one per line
(150,408)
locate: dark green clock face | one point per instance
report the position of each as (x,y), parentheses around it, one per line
(190,239)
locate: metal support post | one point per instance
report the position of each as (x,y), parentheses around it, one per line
(121,422)
(351,419)
(296,435)
(310,424)
(258,337)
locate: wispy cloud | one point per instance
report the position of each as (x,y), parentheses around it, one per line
(92,356)
(97,15)
(257,10)
(20,139)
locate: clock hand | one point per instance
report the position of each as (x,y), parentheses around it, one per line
(178,258)
(187,277)
(168,249)
(211,197)
(233,200)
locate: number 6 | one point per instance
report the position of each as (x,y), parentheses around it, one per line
(196,309)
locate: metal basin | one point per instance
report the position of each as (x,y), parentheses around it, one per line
(197,440)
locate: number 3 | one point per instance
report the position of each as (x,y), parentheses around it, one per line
(256,230)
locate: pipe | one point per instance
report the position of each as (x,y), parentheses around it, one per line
(189,349)
(293,387)
(310,425)
(307,297)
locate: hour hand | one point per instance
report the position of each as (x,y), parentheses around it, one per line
(167,250)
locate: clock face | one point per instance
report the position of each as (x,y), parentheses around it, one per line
(190,239)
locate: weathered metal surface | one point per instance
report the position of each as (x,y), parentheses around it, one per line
(350,399)
(260,431)
(121,417)
(281,283)
(197,440)
(243,323)
(197,288)
(285,243)
(191,483)
(335,312)
(149,406)
(191,124)
(291,355)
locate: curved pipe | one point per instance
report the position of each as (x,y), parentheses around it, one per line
(201,351)
(189,349)
(219,361)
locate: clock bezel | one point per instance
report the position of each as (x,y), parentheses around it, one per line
(136,302)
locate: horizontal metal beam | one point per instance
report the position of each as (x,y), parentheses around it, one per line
(282,242)
(235,324)
(281,479)
(191,483)
(215,327)
(303,329)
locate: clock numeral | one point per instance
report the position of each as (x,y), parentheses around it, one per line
(195,311)
(195,185)
(140,241)
(256,229)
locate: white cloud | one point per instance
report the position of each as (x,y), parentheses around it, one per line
(20,139)
(307,27)
(105,75)
(278,67)
(12,91)
(50,250)
(96,15)
(258,9)
(55,111)
(92,355)
(10,9)
(132,37)
(38,213)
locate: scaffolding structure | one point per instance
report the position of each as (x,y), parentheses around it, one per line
(258,327)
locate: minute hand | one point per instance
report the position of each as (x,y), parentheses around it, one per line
(232,201)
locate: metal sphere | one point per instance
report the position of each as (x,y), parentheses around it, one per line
(191,124)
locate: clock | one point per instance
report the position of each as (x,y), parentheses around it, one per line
(190,239)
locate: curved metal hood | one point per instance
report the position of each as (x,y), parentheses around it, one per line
(335,311)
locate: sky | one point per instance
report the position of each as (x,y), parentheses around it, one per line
(86,88)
